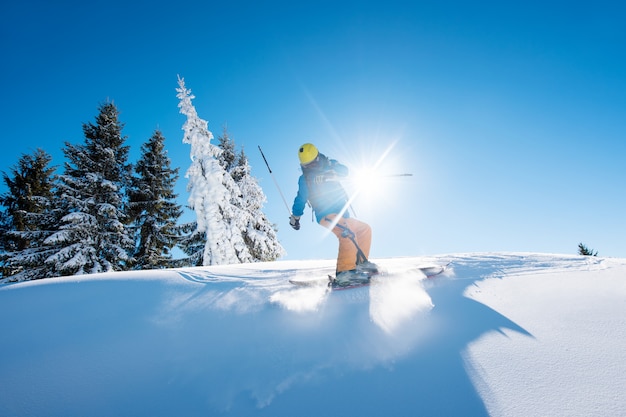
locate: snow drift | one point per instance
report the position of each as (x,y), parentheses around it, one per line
(512,334)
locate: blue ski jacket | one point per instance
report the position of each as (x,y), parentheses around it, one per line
(318,185)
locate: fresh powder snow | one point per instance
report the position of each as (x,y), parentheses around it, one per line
(497,334)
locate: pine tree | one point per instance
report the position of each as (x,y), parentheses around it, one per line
(29,218)
(585,251)
(94,235)
(152,206)
(238,217)
(210,189)
(258,233)
(192,242)
(5,228)
(228,155)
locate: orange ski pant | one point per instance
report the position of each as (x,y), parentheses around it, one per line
(347,256)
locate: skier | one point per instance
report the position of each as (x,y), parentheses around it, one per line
(319,186)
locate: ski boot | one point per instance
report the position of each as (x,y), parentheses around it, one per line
(348,278)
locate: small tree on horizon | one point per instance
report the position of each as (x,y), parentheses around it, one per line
(583,250)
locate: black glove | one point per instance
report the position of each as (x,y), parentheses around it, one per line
(294,221)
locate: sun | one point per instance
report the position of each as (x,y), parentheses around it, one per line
(369,180)
(366,179)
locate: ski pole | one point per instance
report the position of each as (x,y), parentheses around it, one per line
(275,182)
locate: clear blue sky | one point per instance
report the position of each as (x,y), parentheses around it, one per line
(510,116)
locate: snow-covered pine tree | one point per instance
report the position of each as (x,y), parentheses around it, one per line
(94,235)
(258,233)
(5,227)
(152,206)
(238,216)
(30,218)
(192,242)
(228,155)
(210,189)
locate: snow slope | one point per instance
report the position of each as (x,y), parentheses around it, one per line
(510,334)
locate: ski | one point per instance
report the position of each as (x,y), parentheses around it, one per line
(428,271)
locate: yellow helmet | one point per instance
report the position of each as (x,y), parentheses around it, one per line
(307,153)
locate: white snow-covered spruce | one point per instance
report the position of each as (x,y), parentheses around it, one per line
(227,200)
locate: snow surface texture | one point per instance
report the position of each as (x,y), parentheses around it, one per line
(512,334)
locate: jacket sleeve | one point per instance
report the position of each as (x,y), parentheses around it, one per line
(339,169)
(301,198)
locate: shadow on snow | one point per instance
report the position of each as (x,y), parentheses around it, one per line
(354,352)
